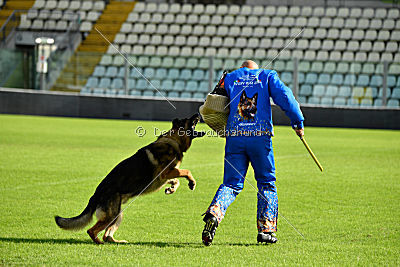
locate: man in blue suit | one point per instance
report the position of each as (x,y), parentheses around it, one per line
(248,140)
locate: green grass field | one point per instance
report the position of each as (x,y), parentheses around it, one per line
(349,214)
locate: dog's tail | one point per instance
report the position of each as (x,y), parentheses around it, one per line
(80,221)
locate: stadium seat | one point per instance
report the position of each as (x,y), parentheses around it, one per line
(366,102)
(313,100)
(117,83)
(105,83)
(167,85)
(363,80)
(393,103)
(371,92)
(349,79)
(353,102)
(388,93)
(324,78)
(92,82)
(357,92)
(327,101)
(319,90)
(396,93)
(331,91)
(344,91)
(111,72)
(340,101)
(179,86)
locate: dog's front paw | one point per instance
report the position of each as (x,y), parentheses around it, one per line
(169,190)
(192,185)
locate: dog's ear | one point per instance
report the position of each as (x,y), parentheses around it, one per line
(175,123)
(255,98)
(243,96)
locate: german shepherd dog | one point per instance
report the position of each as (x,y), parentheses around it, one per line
(247,107)
(145,172)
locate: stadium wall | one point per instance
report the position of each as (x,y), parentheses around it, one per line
(33,102)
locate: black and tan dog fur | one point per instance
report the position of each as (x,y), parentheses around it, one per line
(146,171)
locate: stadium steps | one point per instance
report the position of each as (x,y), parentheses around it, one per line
(90,51)
(12,5)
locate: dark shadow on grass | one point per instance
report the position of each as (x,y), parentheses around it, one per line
(159,244)
(44,240)
(90,242)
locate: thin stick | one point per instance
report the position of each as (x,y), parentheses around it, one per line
(311,153)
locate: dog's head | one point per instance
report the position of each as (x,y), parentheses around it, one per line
(184,130)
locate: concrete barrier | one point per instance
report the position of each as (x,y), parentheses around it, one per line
(33,102)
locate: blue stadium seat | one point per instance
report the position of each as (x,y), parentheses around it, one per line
(149,73)
(173,74)
(388,93)
(331,91)
(305,90)
(111,92)
(398,82)
(326,101)
(179,86)
(143,61)
(393,103)
(98,91)
(135,93)
(302,99)
(337,79)
(148,93)
(317,66)
(349,79)
(203,87)
(86,90)
(92,82)
(396,93)
(300,77)
(363,80)
(319,90)
(286,77)
(99,71)
(185,75)
(131,83)
(340,101)
(311,78)
(135,73)
(154,85)
(186,95)
(344,91)
(313,100)
(324,78)
(378,102)
(161,73)
(391,81)
(121,72)
(192,86)
(117,83)
(173,94)
(353,102)
(198,95)
(105,83)
(376,81)
(198,75)
(167,85)
(141,84)
(112,72)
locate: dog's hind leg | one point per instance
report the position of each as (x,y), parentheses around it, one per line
(96,229)
(108,235)
(174,186)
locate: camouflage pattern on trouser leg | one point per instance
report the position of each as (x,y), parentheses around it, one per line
(267,208)
(222,199)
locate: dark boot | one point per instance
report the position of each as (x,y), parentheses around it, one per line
(209,229)
(269,238)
